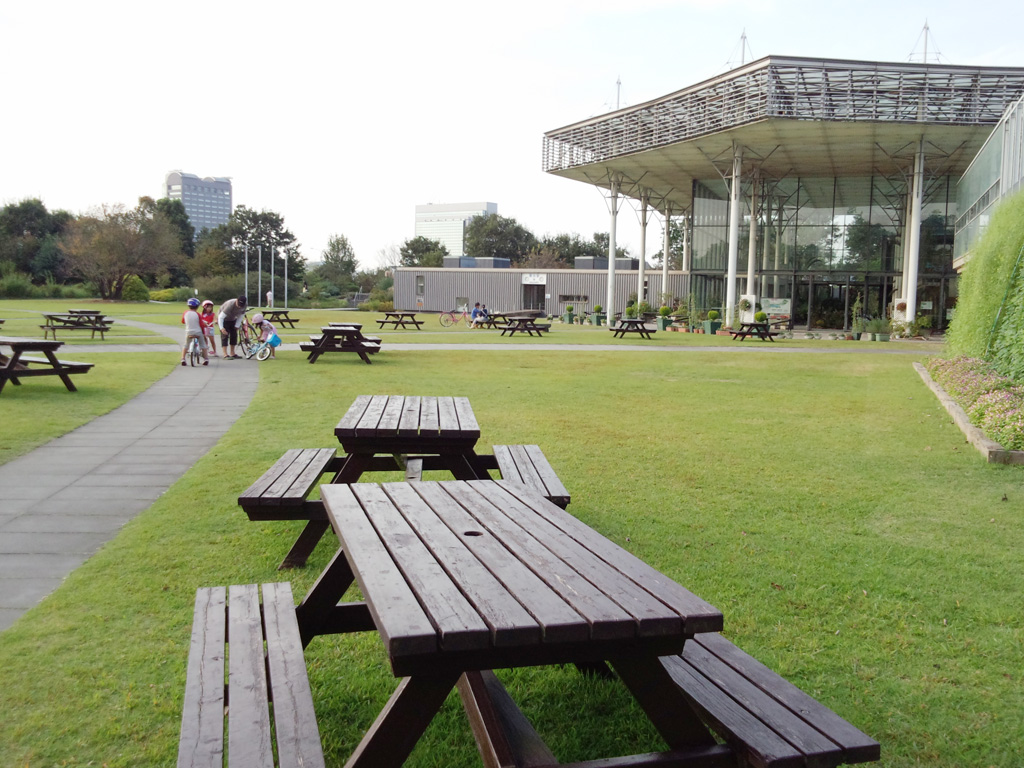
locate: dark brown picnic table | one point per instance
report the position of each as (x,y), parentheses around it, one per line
(631,325)
(461,577)
(400,320)
(761,330)
(76,320)
(16,366)
(524,324)
(281,317)
(341,337)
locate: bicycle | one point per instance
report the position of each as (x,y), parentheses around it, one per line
(247,338)
(260,350)
(449,319)
(195,352)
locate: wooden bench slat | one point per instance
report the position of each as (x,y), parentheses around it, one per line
(249,738)
(298,738)
(528,465)
(769,721)
(202,716)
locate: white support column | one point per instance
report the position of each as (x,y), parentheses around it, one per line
(752,245)
(611,251)
(910,269)
(734,235)
(643,248)
(667,238)
(687,223)
(908,214)
(778,251)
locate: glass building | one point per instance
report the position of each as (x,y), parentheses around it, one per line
(207,200)
(810,181)
(446,223)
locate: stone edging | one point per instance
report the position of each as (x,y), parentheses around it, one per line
(993,452)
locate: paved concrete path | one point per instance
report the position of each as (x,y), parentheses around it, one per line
(64,500)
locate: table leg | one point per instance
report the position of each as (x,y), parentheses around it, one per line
(60,369)
(403,720)
(305,544)
(662,700)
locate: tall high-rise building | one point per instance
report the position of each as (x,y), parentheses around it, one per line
(207,200)
(447,223)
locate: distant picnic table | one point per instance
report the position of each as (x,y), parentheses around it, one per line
(279,316)
(631,325)
(15,367)
(338,337)
(761,330)
(524,324)
(76,320)
(400,320)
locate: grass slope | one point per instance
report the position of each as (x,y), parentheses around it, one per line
(823,502)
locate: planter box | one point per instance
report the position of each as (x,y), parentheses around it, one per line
(664,322)
(712,326)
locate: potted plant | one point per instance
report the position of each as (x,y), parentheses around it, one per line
(879,328)
(568,316)
(631,311)
(857,324)
(598,314)
(712,324)
(664,321)
(760,317)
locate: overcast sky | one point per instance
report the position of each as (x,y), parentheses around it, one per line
(343,116)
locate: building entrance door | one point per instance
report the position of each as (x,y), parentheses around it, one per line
(533,297)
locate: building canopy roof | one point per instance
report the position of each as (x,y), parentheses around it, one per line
(792,117)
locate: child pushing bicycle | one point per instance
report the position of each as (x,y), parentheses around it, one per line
(193,330)
(267,333)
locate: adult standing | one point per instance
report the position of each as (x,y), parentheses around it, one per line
(230,318)
(270,299)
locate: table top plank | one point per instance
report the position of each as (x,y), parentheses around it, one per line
(607,619)
(372,415)
(699,615)
(518,605)
(397,613)
(409,424)
(430,420)
(459,625)
(448,420)
(652,617)
(347,426)
(392,414)
(467,419)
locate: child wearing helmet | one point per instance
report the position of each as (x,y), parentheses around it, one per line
(208,320)
(267,333)
(193,330)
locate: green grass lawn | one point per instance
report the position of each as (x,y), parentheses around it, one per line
(855,543)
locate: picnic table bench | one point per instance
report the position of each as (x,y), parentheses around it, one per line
(631,325)
(15,367)
(341,338)
(400,320)
(281,317)
(76,320)
(524,324)
(265,665)
(763,331)
(494,319)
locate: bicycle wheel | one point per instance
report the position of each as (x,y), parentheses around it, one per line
(448,319)
(246,344)
(263,353)
(193,352)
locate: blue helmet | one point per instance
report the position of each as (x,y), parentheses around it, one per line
(193,303)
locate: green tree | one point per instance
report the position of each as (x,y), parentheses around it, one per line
(602,240)
(422,252)
(339,262)
(258,229)
(29,237)
(113,243)
(567,248)
(498,237)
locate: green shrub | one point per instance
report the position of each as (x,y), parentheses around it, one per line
(134,289)
(598,308)
(171,295)
(760,317)
(377,305)
(16,285)
(220,288)
(664,311)
(713,314)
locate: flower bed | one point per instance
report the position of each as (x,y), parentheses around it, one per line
(994,403)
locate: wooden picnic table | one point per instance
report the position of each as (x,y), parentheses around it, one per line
(460,577)
(763,331)
(495,319)
(17,366)
(76,320)
(631,325)
(280,316)
(524,324)
(338,337)
(400,320)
